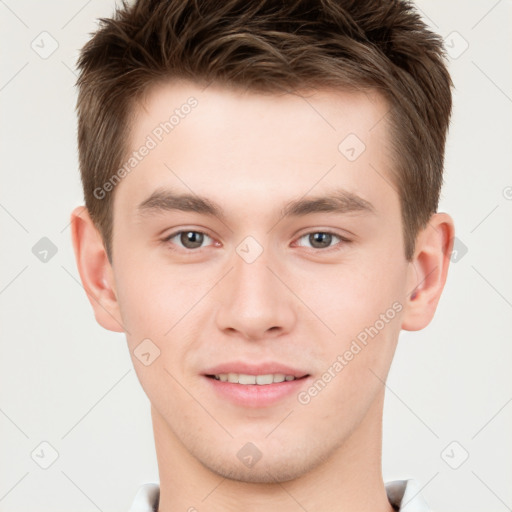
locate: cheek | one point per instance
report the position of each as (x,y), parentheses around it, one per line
(364,314)
(162,302)
(361,303)
(157,310)
(349,296)
(149,301)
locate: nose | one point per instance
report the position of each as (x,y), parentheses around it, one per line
(255,304)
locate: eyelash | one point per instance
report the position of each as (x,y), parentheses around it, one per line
(343,240)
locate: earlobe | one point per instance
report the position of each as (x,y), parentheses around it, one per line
(428,271)
(95,270)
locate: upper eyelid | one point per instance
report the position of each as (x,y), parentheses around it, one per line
(179,232)
(326,230)
(343,239)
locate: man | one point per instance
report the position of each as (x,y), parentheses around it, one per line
(261,183)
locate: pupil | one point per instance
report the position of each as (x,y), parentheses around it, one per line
(191,239)
(323,238)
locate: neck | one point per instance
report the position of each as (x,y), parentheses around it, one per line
(349,480)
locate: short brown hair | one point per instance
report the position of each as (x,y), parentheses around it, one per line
(268,46)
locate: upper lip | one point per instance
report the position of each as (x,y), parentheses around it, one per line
(254,369)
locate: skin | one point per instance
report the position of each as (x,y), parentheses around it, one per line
(297,303)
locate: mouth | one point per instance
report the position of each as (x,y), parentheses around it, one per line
(259,380)
(255,386)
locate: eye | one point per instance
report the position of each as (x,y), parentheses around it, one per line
(189,239)
(322,239)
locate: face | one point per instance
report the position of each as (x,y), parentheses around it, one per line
(287,259)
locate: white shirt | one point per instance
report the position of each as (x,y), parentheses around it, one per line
(400,493)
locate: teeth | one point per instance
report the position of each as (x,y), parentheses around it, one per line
(242,378)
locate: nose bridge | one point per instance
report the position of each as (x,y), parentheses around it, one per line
(254,300)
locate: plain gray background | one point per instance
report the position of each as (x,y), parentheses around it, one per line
(68,383)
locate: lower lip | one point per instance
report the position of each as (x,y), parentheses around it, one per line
(255,395)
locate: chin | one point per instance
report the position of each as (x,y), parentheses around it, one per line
(263,474)
(276,468)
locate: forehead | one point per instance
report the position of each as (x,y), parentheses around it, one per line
(326,111)
(220,142)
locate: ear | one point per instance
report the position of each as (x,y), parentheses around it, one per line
(427,271)
(95,270)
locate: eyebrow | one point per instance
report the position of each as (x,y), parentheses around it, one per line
(336,201)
